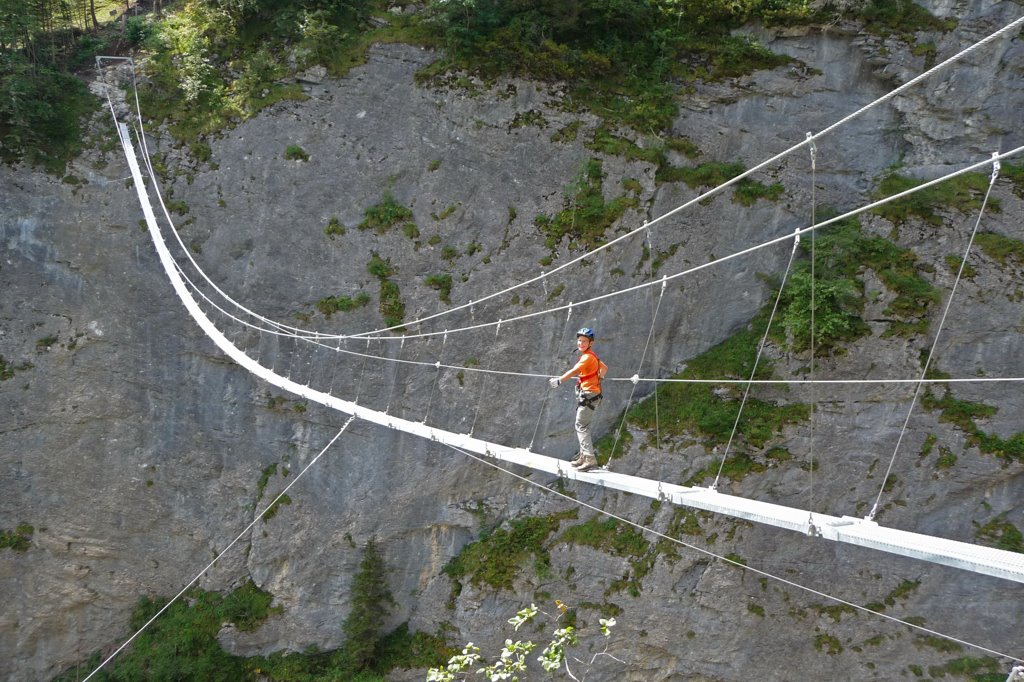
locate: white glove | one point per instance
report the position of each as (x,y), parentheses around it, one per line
(554,382)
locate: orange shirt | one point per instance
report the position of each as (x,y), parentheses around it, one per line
(589,367)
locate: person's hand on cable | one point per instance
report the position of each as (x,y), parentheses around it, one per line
(554,382)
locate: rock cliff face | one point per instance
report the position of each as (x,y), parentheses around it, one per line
(136,452)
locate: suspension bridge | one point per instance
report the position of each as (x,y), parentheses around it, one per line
(863,532)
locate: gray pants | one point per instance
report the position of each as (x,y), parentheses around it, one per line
(584,416)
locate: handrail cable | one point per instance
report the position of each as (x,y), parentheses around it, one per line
(653,380)
(688,271)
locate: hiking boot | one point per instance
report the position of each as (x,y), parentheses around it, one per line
(587,464)
(577,459)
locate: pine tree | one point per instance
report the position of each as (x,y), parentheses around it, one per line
(371,600)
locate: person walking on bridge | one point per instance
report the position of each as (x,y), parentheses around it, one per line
(588,370)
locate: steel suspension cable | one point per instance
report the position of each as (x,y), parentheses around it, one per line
(938,332)
(723,259)
(733,562)
(547,394)
(814,398)
(437,377)
(757,360)
(643,355)
(278,325)
(217,558)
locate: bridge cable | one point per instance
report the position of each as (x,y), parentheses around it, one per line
(723,259)
(217,558)
(437,377)
(938,331)
(193,307)
(654,315)
(655,307)
(891,94)
(935,69)
(643,355)
(732,562)
(474,326)
(655,380)
(394,381)
(482,383)
(757,360)
(814,398)
(547,394)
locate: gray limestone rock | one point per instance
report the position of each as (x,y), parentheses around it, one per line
(136,451)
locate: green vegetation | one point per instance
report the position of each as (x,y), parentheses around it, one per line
(987,669)
(448,210)
(586,216)
(212,64)
(1001,534)
(841,251)
(385,215)
(370,599)
(18,539)
(42,104)
(271,469)
(607,534)
(835,612)
(442,283)
(391,306)
(46,342)
(334,304)
(954,263)
(495,559)
(946,458)
(6,369)
(712,174)
(618,539)
(367,654)
(294,152)
(828,644)
(618,58)
(1014,172)
(182,643)
(902,591)
(902,18)
(964,414)
(272,510)
(1000,248)
(514,656)
(963,193)
(710,412)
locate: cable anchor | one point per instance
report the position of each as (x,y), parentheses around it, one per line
(995,167)
(814,150)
